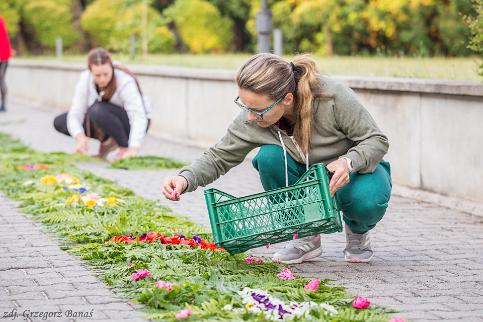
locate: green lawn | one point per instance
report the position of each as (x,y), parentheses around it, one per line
(465,68)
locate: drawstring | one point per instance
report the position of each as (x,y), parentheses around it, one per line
(305,157)
(285,158)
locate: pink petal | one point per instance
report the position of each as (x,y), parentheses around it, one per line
(361,302)
(251,260)
(130,265)
(183,314)
(140,274)
(396,320)
(295,236)
(313,285)
(164,285)
(286,274)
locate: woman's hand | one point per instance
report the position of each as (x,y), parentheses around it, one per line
(174,186)
(340,177)
(82,144)
(125,153)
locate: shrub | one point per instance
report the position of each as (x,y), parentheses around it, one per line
(201,26)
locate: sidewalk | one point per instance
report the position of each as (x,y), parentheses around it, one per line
(428,260)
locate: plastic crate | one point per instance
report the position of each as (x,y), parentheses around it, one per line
(274,216)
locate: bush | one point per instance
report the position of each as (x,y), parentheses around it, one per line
(200,25)
(475,25)
(110,23)
(9,12)
(49,19)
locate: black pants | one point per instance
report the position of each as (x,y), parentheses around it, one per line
(103,120)
(3,84)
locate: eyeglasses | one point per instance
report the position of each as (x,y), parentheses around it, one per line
(258,113)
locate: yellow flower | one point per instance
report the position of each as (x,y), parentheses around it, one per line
(249,305)
(48,180)
(72,199)
(90,203)
(111,201)
(68,179)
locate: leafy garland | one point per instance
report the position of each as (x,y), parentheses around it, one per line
(176,277)
(149,162)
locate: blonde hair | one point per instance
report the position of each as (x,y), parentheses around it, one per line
(270,75)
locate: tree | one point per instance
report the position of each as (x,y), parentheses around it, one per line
(200,25)
(10,12)
(45,20)
(110,23)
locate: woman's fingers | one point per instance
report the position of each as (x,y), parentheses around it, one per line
(343,180)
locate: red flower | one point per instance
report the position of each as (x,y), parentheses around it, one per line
(122,239)
(171,240)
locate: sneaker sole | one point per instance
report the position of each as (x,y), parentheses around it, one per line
(357,259)
(306,257)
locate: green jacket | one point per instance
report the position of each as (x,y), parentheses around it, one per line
(341,127)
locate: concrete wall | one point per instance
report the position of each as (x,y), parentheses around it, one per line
(435,128)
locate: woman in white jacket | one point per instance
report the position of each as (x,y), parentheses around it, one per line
(108,106)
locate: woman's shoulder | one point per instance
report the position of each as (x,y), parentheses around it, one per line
(122,77)
(332,86)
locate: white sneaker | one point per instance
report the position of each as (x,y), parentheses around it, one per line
(299,251)
(358,248)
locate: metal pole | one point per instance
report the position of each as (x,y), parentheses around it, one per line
(132,49)
(144,29)
(277,42)
(58,47)
(264,27)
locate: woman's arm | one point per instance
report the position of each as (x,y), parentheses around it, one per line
(230,151)
(133,104)
(77,111)
(355,121)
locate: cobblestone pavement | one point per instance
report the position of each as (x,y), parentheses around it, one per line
(428,261)
(37,276)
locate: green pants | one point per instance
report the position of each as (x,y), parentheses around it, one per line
(363,201)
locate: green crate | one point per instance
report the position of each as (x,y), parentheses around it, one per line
(274,216)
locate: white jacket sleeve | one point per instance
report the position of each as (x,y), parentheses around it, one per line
(134,107)
(77,112)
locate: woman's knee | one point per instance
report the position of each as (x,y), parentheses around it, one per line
(98,112)
(268,157)
(60,123)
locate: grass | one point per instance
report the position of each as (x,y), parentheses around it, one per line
(459,68)
(205,281)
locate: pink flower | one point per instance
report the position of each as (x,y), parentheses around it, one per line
(166,285)
(250,260)
(295,236)
(286,274)
(313,285)
(361,302)
(130,265)
(396,320)
(139,275)
(183,314)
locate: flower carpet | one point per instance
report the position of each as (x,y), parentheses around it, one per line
(152,256)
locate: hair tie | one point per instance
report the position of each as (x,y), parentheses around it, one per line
(293,66)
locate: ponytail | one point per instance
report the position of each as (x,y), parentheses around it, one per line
(308,88)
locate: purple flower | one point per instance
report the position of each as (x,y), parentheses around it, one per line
(258,297)
(182,237)
(197,239)
(143,236)
(281,311)
(82,190)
